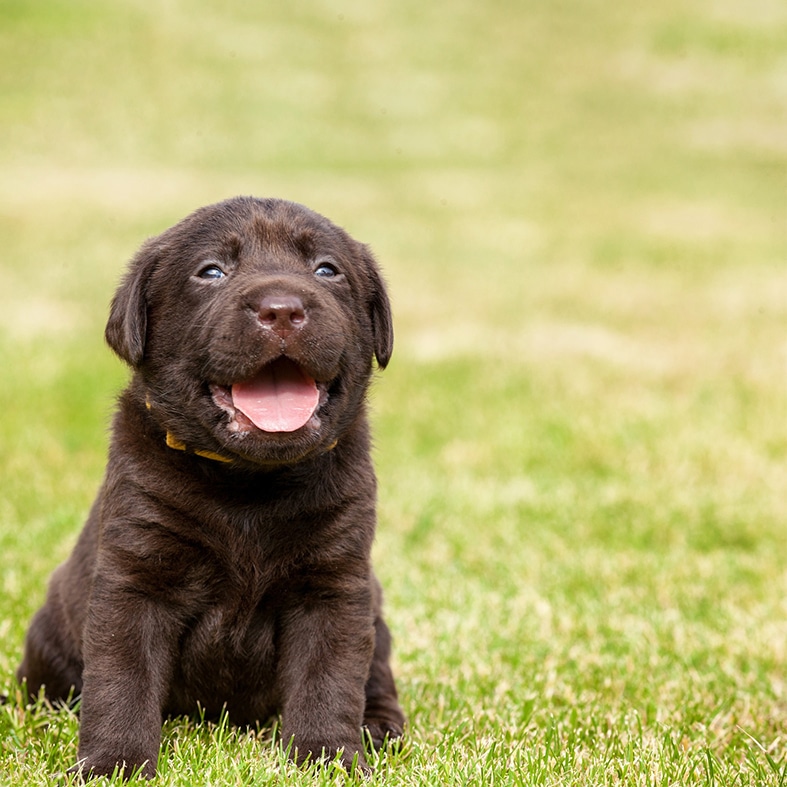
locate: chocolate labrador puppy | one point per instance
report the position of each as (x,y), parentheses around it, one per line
(226,560)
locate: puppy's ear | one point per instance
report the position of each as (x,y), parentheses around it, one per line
(128,315)
(380,311)
(382,323)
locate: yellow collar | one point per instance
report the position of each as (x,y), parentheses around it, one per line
(179,445)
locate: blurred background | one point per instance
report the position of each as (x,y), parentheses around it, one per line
(581,210)
(476,148)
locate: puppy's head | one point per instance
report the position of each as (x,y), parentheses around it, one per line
(253,325)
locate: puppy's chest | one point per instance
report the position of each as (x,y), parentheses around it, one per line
(227,659)
(234,580)
(229,628)
(236,621)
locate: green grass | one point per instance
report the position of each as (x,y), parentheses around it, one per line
(582,437)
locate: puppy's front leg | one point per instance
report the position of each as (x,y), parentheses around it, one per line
(128,661)
(327,647)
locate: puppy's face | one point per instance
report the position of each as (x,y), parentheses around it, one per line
(253,325)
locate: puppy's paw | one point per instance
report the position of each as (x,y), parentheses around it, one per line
(382,732)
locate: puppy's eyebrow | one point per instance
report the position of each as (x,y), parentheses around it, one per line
(304,243)
(233,246)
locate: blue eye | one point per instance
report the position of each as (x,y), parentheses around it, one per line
(325,270)
(211,272)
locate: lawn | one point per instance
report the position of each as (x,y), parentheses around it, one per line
(581,440)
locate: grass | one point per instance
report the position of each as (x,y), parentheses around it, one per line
(582,437)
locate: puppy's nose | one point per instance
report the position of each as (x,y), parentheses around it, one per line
(282,314)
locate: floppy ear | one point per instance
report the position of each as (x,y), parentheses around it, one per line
(382,323)
(128,315)
(380,311)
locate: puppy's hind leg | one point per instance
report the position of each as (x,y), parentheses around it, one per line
(50,659)
(383,718)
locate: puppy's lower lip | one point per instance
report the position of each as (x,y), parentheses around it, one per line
(222,397)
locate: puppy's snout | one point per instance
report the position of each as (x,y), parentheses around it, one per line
(282,314)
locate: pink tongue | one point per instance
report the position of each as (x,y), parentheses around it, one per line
(281,398)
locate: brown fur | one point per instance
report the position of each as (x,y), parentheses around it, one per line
(244,583)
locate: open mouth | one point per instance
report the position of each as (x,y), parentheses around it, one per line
(281,397)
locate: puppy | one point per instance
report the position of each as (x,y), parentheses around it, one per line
(226,560)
